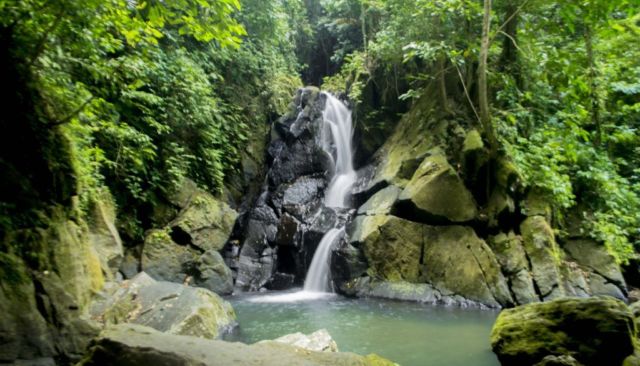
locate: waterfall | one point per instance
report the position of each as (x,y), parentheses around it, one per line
(336,135)
(335,140)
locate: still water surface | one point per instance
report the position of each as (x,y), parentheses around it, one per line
(407,333)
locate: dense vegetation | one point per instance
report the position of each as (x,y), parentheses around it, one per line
(562,83)
(132,96)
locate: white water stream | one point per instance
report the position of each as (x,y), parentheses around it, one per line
(336,140)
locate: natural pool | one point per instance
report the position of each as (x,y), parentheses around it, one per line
(407,333)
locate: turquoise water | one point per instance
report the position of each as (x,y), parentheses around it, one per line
(407,333)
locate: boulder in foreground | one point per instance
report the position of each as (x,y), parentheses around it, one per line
(167,307)
(133,345)
(597,331)
(319,341)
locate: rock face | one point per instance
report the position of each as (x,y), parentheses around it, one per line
(104,236)
(440,220)
(593,331)
(44,311)
(319,341)
(130,345)
(167,307)
(286,223)
(452,259)
(188,248)
(436,193)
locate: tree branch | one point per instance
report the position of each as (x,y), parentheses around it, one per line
(72,114)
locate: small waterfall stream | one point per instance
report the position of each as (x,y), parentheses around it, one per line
(336,135)
(336,141)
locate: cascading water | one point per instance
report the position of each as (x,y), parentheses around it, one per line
(337,133)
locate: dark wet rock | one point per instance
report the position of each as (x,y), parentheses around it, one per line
(303,197)
(288,231)
(132,345)
(281,281)
(167,307)
(594,331)
(348,263)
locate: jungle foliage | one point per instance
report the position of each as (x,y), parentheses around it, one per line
(144,93)
(563,81)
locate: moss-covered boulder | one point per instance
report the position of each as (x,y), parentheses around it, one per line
(163,259)
(167,307)
(133,345)
(205,222)
(544,255)
(457,261)
(596,331)
(436,194)
(450,258)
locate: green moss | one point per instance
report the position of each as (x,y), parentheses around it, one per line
(12,270)
(596,331)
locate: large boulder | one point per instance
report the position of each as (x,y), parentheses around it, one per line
(450,258)
(436,194)
(163,259)
(596,331)
(167,307)
(206,223)
(133,345)
(544,255)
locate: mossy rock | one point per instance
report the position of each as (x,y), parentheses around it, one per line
(452,259)
(132,345)
(23,330)
(205,222)
(513,261)
(163,259)
(544,255)
(596,331)
(595,258)
(103,234)
(457,262)
(167,307)
(436,194)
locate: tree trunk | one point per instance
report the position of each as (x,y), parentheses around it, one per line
(593,86)
(483,97)
(509,57)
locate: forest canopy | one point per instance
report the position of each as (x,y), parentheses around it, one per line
(133,96)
